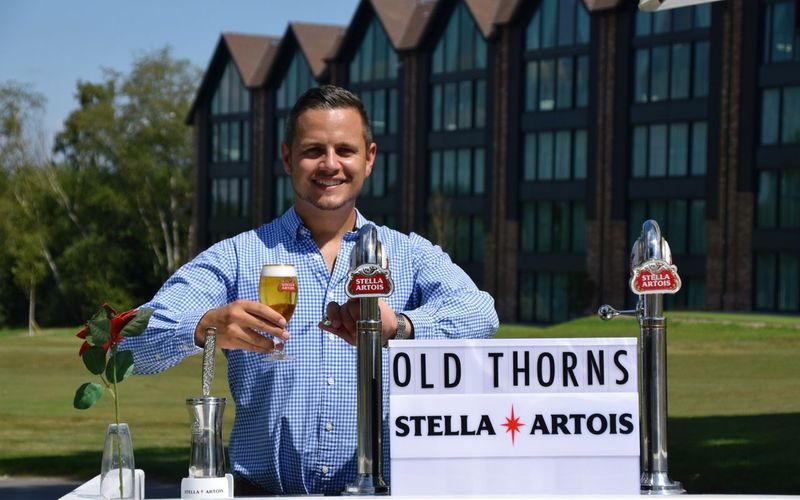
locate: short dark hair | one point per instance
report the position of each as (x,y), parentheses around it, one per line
(325,97)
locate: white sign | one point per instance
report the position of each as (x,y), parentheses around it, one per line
(506,417)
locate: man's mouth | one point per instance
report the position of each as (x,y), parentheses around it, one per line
(325,183)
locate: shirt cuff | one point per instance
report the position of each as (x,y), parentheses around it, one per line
(424,327)
(185,332)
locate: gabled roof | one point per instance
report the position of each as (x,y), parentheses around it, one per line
(417,24)
(318,42)
(247,53)
(394,16)
(485,13)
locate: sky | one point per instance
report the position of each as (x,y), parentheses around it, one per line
(49,45)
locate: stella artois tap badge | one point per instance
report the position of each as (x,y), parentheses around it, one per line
(369,280)
(655,276)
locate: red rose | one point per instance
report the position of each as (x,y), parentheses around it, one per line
(118,322)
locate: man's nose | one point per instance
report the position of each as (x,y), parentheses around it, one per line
(330,160)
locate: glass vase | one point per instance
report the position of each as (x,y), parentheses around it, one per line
(117,469)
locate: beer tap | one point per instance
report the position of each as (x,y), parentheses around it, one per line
(368,281)
(652,275)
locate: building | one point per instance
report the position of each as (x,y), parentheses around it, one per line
(531,138)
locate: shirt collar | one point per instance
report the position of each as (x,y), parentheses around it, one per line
(294,227)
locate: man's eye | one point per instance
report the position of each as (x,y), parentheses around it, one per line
(312,152)
(345,152)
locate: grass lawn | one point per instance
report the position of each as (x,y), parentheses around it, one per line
(734,404)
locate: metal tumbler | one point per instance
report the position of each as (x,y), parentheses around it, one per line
(207,455)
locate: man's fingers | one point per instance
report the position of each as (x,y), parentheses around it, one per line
(265,314)
(349,337)
(348,317)
(333,315)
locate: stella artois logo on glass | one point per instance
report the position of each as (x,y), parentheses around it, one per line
(278,288)
(655,276)
(369,280)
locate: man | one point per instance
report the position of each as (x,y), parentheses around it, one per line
(295,425)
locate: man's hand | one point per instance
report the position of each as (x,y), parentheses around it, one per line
(343,319)
(239,326)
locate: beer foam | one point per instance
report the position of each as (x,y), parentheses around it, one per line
(278,270)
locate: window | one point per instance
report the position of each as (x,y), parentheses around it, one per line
(780,120)
(458,91)
(283,194)
(461,47)
(383,180)
(375,58)
(781,37)
(776,278)
(461,236)
(557,82)
(230,146)
(554,155)
(297,79)
(672,21)
(456,169)
(674,70)
(381,108)
(230,119)
(230,197)
(547,297)
(373,76)
(682,222)
(457,172)
(231,95)
(778,199)
(669,150)
(663,72)
(553,227)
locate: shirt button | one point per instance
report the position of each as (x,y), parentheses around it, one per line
(328,426)
(325,470)
(331,336)
(331,381)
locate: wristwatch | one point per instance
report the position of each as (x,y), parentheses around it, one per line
(402,332)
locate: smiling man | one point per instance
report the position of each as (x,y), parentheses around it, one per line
(295,425)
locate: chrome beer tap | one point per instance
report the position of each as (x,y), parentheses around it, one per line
(652,275)
(368,281)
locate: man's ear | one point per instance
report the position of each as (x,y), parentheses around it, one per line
(286,156)
(372,150)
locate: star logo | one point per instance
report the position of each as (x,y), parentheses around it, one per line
(512,425)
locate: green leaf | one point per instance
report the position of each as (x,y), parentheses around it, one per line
(138,324)
(87,395)
(99,329)
(95,359)
(124,362)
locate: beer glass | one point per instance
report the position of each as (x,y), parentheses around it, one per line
(278,290)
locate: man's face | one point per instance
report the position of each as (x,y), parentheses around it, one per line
(328,160)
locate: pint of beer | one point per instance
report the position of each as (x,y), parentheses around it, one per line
(278,288)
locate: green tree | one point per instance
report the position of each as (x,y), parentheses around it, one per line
(25,250)
(107,218)
(125,179)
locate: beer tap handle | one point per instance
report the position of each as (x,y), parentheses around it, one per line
(606,312)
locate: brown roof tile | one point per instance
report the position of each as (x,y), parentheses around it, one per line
(505,11)
(317,41)
(394,16)
(484,12)
(247,51)
(417,23)
(265,64)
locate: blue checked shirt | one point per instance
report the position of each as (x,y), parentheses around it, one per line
(295,425)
